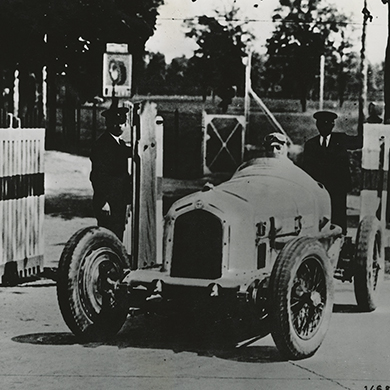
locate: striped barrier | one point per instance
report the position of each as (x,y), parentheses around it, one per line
(375,169)
(21,203)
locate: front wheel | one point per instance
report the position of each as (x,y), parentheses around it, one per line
(91,265)
(301,298)
(369,263)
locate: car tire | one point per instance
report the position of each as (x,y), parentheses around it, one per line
(369,263)
(90,307)
(301,298)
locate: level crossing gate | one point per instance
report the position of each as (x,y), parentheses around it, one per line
(223,142)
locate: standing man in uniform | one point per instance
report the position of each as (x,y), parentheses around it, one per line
(326,160)
(110,177)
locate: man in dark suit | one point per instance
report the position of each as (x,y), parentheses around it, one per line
(110,177)
(325,158)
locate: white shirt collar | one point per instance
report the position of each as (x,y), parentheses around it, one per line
(327,139)
(116,138)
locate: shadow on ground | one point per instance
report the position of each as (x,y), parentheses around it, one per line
(224,339)
(346,308)
(69,206)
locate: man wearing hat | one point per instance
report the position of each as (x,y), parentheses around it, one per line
(275,145)
(110,177)
(325,158)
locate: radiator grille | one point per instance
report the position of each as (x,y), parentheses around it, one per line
(197,246)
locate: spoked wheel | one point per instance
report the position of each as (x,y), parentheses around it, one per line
(301,298)
(369,263)
(91,265)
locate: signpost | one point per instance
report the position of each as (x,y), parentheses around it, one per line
(117,71)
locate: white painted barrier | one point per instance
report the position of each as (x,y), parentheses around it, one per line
(21,202)
(375,169)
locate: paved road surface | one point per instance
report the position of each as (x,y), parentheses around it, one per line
(37,351)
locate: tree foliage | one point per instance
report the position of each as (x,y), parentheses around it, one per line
(70,35)
(222,42)
(304,31)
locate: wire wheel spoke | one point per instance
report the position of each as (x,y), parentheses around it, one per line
(308,298)
(101,265)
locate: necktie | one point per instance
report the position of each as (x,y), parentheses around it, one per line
(324,143)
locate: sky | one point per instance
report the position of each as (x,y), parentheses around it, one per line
(170,40)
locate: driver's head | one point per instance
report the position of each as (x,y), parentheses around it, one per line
(275,145)
(325,121)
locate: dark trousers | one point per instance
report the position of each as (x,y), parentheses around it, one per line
(115,221)
(339,209)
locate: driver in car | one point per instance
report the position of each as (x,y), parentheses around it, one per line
(275,145)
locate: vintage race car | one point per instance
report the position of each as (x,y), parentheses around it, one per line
(262,239)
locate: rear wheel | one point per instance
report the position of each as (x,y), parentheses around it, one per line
(301,298)
(91,265)
(369,263)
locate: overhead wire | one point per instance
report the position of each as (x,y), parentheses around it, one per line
(264,21)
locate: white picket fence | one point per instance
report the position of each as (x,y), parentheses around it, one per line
(21,202)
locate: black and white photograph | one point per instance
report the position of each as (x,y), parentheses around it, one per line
(195,194)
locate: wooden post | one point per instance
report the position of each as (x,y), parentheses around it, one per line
(145,229)
(94,109)
(16,95)
(159,189)
(51,106)
(44,93)
(176,144)
(78,126)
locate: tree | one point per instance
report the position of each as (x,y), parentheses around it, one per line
(154,77)
(341,67)
(176,76)
(70,35)
(222,42)
(304,31)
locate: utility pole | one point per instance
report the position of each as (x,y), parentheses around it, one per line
(363,70)
(322,80)
(387,69)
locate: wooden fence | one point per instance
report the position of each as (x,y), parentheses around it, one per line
(21,203)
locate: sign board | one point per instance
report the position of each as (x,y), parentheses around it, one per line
(117,71)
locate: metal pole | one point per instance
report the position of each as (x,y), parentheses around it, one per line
(363,71)
(387,72)
(248,87)
(322,81)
